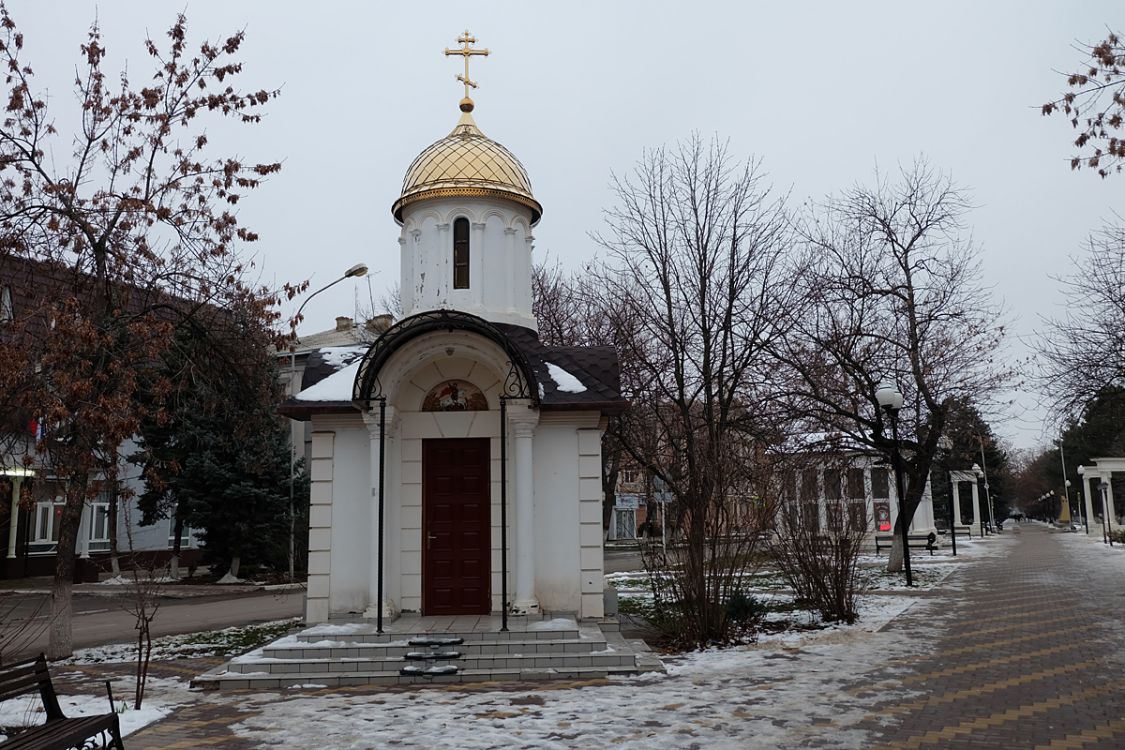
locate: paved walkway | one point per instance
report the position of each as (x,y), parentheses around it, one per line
(1030,656)
(1022,650)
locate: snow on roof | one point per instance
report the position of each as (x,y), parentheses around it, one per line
(338,356)
(335,387)
(564,380)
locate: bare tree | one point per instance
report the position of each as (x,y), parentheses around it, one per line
(892,291)
(572,309)
(1095,106)
(1082,353)
(820,558)
(698,277)
(142,603)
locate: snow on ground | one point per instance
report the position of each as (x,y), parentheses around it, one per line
(225,642)
(1092,549)
(122,580)
(28,710)
(777,694)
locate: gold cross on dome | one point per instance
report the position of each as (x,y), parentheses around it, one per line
(466,51)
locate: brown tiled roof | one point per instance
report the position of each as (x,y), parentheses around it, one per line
(595,366)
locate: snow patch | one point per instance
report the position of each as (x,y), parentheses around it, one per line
(564,380)
(339,356)
(558,623)
(335,387)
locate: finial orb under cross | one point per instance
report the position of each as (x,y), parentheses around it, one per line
(466,50)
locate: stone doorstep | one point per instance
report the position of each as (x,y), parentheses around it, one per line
(388,636)
(378,650)
(344,679)
(487,661)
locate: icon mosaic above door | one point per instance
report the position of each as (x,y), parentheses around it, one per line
(455,395)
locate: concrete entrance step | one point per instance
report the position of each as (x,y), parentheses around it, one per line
(368,635)
(224,680)
(476,661)
(355,654)
(398,649)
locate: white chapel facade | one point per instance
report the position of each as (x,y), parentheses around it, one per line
(456,462)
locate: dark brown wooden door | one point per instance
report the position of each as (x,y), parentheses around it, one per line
(456,534)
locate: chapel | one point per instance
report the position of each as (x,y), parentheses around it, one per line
(455,463)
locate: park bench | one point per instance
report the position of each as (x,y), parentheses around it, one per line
(59,732)
(927,542)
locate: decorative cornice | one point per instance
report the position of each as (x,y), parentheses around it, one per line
(466,192)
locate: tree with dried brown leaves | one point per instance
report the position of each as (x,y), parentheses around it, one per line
(113,236)
(1095,106)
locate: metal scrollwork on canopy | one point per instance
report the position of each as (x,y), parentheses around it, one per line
(515,384)
(519,382)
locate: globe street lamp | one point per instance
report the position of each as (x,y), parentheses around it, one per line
(359,269)
(889,398)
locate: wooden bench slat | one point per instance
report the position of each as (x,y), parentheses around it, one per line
(65,733)
(59,732)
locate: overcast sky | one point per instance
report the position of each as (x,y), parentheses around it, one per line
(822,92)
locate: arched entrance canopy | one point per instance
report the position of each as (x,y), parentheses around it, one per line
(520,381)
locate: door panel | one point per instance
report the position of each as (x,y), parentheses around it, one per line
(456,534)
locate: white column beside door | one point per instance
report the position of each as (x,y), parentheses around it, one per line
(523,431)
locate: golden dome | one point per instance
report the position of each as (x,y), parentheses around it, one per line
(466,163)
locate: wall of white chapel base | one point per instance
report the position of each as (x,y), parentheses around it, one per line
(568,530)
(352,504)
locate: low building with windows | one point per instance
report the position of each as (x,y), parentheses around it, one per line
(31,499)
(861,486)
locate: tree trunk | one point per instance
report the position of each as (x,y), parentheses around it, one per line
(234,562)
(60,636)
(111,521)
(178,534)
(894,558)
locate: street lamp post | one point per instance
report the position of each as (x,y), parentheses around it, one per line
(1104,487)
(359,269)
(889,398)
(947,445)
(987,496)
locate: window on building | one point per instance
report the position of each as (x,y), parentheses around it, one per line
(185,536)
(809,488)
(625,523)
(855,483)
(6,312)
(810,516)
(461,253)
(880,484)
(99,525)
(833,487)
(857,516)
(45,529)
